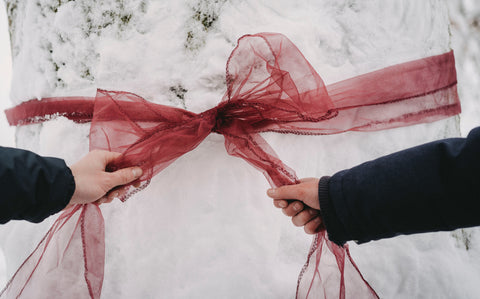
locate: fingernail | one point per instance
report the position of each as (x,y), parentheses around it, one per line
(137,171)
(271,191)
(116,194)
(282,204)
(312,212)
(317,220)
(297,207)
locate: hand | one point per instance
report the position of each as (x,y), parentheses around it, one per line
(300,202)
(92,182)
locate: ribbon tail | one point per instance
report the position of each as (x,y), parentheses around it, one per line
(419,91)
(93,244)
(330,272)
(68,262)
(342,278)
(257,152)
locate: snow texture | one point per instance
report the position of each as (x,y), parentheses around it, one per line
(204,228)
(6,133)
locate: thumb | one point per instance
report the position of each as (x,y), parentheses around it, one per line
(287,192)
(124,176)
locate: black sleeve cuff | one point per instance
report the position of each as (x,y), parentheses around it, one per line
(34,187)
(56,197)
(335,229)
(64,187)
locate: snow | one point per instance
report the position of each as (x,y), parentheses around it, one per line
(6,133)
(204,227)
(465,30)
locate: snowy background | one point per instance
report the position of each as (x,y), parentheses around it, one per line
(443,265)
(6,132)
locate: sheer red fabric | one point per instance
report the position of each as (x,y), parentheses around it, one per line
(270,87)
(68,261)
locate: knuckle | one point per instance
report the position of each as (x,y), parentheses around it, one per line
(108,182)
(301,193)
(110,178)
(289,211)
(304,217)
(124,177)
(300,219)
(307,216)
(283,192)
(96,152)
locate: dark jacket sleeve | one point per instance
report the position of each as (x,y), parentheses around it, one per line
(33,187)
(428,188)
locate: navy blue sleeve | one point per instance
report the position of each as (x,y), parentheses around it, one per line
(33,187)
(432,187)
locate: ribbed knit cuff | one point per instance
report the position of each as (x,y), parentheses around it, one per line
(335,229)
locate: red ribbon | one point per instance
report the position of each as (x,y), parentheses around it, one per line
(270,87)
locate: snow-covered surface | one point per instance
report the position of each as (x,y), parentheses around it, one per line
(204,228)
(6,132)
(465,30)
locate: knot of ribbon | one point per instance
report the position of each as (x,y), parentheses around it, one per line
(271,87)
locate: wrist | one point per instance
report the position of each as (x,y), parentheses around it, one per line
(335,229)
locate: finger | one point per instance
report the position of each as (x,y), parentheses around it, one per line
(287,192)
(304,217)
(313,226)
(109,156)
(293,208)
(124,176)
(101,200)
(105,200)
(280,203)
(117,193)
(112,194)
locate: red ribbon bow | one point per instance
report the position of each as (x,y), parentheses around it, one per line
(270,87)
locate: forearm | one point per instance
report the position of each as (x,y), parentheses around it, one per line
(33,187)
(427,188)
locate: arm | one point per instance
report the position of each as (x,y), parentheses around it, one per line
(427,188)
(35,187)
